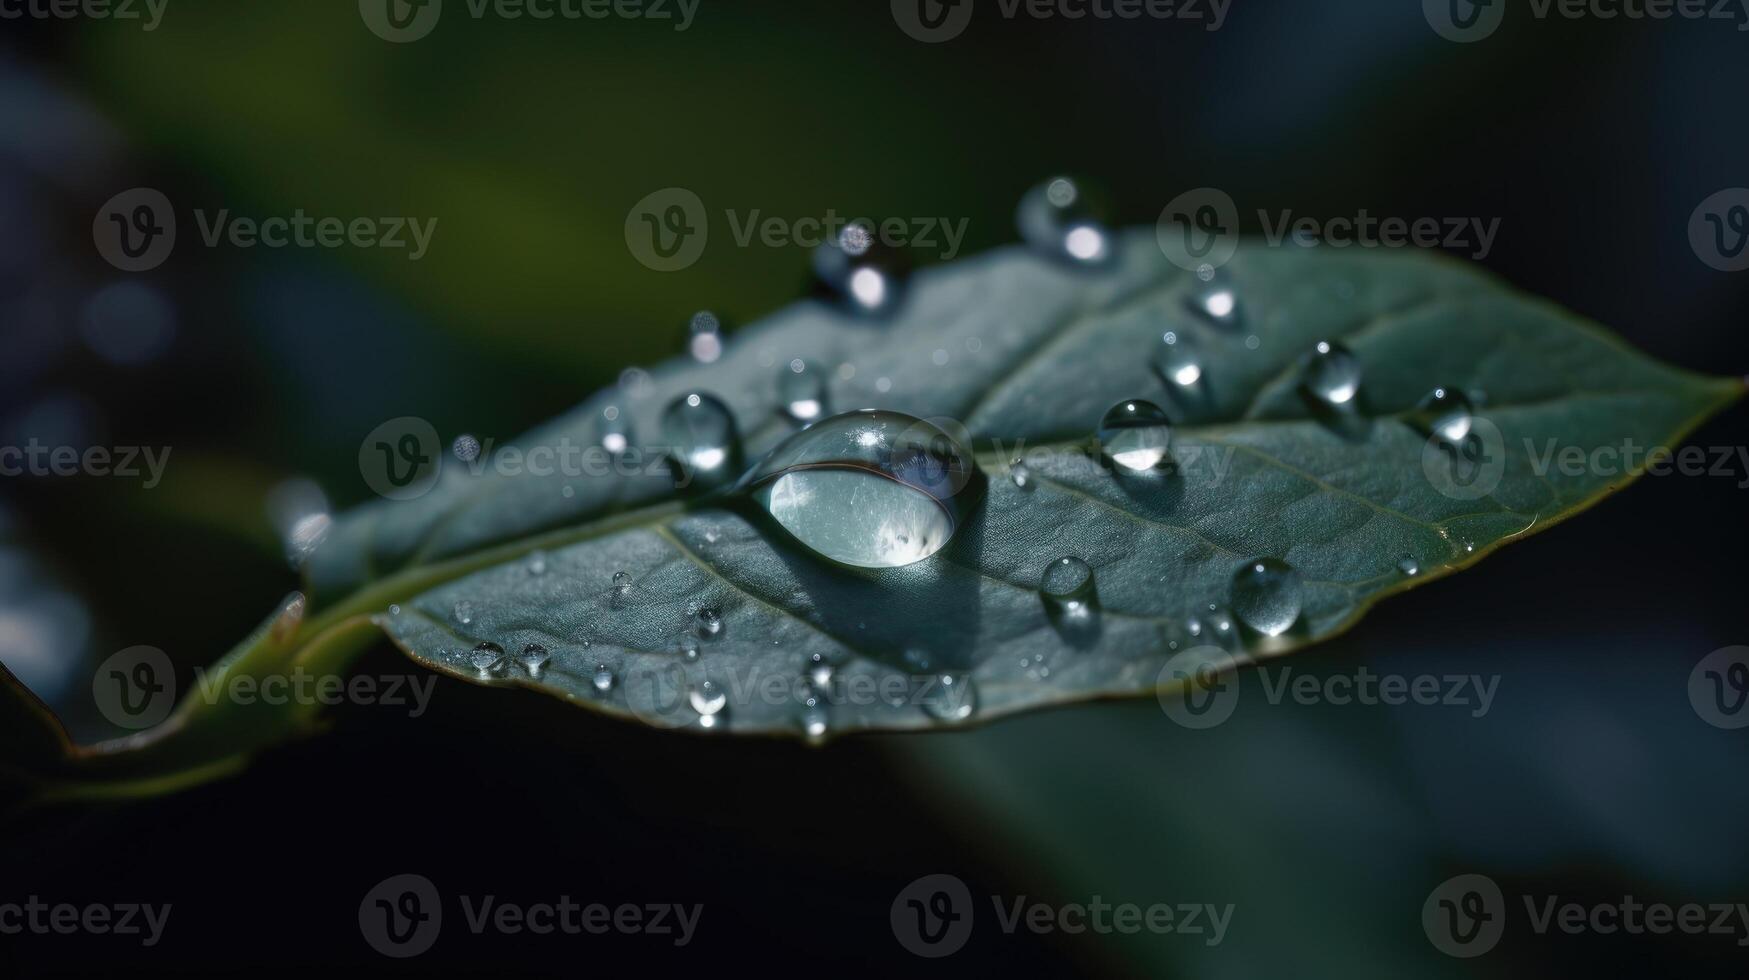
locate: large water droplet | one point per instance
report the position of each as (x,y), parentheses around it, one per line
(704,337)
(801,389)
(1020,473)
(707,698)
(463,611)
(488,659)
(710,622)
(814,723)
(1178,361)
(466,448)
(703,445)
(603,679)
(1409,566)
(1067,585)
(1332,374)
(951,698)
(1135,435)
(1065,220)
(1268,596)
(1446,414)
(534,658)
(863,270)
(871,488)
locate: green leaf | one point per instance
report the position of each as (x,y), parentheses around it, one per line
(1034,354)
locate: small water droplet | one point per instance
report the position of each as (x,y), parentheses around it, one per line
(1469,547)
(1067,586)
(1214,301)
(870,488)
(488,659)
(1064,219)
(1409,566)
(603,679)
(687,644)
(612,431)
(801,389)
(466,448)
(1446,414)
(707,698)
(534,658)
(710,622)
(537,563)
(1178,361)
(622,588)
(819,672)
(1332,374)
(1135,435)
(1193,627)
(1020,474)
(704,337)
(1268,596)
(463,611)
(814,723)
(951,698)
(1220,626)
(394,609)
(704,446)
(861,269)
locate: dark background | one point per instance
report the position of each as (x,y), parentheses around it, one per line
(1592,778)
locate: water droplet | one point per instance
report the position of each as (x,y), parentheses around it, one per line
(707,698)
(1020,474)
(1193,627)
(394,609)
(1177,360)
(1067,585)
(687,645)
(534,658)
(1409,566)
(537,563)
(612,431)
(951,698)
(819,672)
(801,389)
(703,445)
(603,679)
(871,488)
(466,448)
(1446,414)
(710,622)
(463,611)
(861,269)
(1332,374)
(1268,596)
(1063,219)
(1214,301)
(1219,625)
(1135,435)
(488,659)
(622,588)
(814,723)
(704,337)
